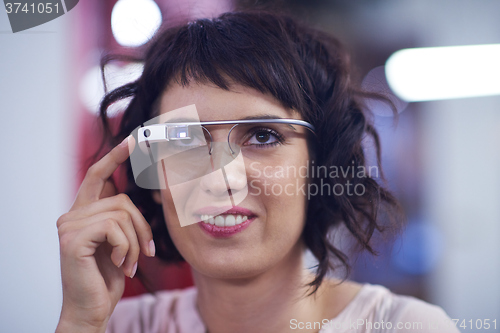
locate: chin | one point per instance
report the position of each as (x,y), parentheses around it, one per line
(229,267)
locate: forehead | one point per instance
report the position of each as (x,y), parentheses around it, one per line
(214,103)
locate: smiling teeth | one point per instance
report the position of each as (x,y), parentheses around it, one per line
(228,220)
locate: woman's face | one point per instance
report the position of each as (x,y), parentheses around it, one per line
(271,177)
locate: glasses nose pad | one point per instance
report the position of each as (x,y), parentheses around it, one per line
(208,139)
(233,147)
(222,154)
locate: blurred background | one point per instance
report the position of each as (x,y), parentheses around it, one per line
(441,158)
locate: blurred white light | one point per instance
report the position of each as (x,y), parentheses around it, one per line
(434,73)
(376,82)
(92,89)
(134,22)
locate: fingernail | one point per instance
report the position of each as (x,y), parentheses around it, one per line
(134,270)
(121,262)
(124,142)
(152,249)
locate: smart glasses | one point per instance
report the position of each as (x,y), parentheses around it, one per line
(203,163)
(183,151)
(184,136)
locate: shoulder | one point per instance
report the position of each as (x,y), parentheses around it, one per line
(376,309)
(409,313)
(164,311)
(406,313)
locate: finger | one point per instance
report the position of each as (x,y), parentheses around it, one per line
(124,221)
(82,238)
(97,175)
(140,226)
(109,230)
(109,188)
(120,243)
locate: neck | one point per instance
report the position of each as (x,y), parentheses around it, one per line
(263,303)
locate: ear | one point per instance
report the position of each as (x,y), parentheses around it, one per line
(157,197)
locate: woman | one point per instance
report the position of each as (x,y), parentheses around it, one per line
(230,79)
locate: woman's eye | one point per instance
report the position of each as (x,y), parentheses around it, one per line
(263,138)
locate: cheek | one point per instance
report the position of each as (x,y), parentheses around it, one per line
(181,200)
(177,232)
(282,191)
(169,211)
(182,236)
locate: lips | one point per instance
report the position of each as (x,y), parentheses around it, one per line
(233,220)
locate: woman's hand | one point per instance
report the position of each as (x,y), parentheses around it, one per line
(100,241)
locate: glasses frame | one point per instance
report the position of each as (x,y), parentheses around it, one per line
(179,130)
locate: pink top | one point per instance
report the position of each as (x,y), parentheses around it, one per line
(373,309)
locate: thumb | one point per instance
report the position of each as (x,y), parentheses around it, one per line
(109,189)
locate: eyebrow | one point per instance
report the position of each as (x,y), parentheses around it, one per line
(264,116)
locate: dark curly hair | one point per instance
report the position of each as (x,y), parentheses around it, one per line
(306,70)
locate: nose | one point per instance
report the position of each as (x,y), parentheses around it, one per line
(227,174)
